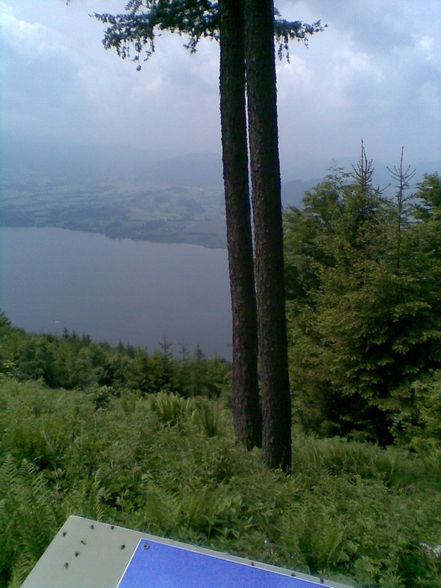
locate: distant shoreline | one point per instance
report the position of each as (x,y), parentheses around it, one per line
(153,238)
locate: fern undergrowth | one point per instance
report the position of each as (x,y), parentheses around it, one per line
(169,465)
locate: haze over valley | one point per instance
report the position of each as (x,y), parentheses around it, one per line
(136,194)
(121,194)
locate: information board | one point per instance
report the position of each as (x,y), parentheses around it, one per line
(92,554)
(158,565)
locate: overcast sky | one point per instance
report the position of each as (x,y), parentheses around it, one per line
(374,74)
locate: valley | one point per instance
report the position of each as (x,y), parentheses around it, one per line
(175,200)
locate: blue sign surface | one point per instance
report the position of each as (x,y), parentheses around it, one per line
(158,565)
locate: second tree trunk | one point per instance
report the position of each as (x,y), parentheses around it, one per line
(268,235)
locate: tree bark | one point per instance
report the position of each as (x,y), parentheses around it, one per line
(246,408)
(268,235)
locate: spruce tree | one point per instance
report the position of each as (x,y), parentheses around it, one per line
(364,328)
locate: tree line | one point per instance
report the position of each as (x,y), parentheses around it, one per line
(76,362)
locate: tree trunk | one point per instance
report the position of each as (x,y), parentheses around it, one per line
(246,409)
(268,236)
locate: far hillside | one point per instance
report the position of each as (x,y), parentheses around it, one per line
(128,193)
(173,200)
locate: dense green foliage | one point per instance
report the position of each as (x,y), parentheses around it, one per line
(364,282)
(170,466)
(135,31)
(72,362)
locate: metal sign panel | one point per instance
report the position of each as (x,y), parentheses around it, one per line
(84,554)
(89,554)
(157,565)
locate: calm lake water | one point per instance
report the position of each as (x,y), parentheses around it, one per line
(133,291)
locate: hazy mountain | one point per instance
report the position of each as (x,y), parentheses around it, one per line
(55,161)
(193,169)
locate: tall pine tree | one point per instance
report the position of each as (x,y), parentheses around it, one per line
(267,215)
(136,29)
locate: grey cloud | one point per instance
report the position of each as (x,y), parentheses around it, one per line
(378,24)
(372,74)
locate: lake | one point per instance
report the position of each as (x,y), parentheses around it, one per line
(133,291)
